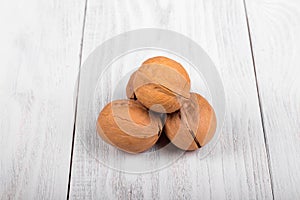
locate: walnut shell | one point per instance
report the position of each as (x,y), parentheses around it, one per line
(160,84)
(193,125)
(129,89)
(128,125)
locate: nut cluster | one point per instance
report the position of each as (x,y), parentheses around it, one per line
(159,87)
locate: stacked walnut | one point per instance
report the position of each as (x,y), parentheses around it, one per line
(159,87)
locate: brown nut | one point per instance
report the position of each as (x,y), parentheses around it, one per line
(160,84)
(193,125)
(128,125)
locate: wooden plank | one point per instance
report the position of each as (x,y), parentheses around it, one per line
(237,168)
(40,44)
(275,30)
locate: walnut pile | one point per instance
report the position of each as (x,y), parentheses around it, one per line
(160,86)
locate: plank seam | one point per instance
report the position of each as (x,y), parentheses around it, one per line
(259,99)
(76,101)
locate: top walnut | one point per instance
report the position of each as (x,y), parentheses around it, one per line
(160,84)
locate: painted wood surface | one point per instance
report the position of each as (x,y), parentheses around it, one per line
(237,168)
(275,30)
(39,51)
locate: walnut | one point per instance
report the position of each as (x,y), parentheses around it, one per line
(160,84)
(128,125)
(193,125)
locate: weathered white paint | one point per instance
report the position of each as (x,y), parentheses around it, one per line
(275,30)
(237,168)
(39,51)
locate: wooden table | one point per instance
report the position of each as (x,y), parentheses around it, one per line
(255,45)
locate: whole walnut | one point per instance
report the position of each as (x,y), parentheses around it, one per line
(193,125)
(128,125)
(160,84)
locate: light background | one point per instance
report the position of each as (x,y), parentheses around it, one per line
(255,45)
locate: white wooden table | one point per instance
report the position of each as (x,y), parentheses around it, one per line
(255,45)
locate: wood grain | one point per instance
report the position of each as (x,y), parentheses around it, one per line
(275,30)
(40,44)
(237,168)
